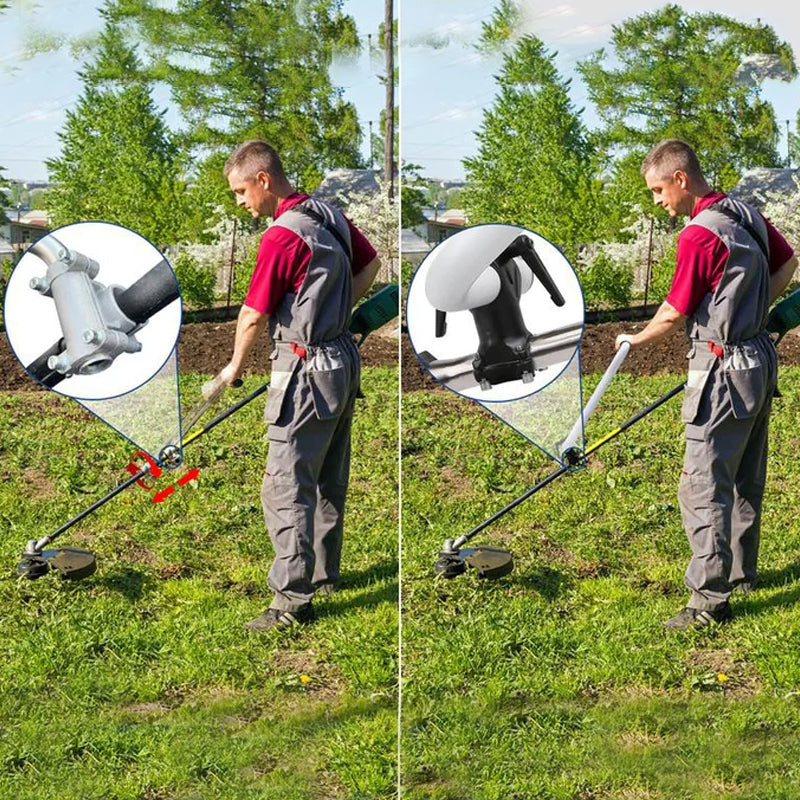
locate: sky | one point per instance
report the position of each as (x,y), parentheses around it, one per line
(37,92)
(445,84)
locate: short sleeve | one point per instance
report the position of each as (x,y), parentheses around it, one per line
(700,262)
(282,257)
(363,251)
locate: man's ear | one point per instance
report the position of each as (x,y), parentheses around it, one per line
(264,179)
(681,178)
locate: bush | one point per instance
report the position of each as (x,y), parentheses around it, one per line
(198,283)
(606,282)
(661,273)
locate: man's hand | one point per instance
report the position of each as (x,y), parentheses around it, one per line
(229,374)
(624,337)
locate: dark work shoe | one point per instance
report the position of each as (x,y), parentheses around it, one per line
(699,618)
(326,589)
(277,618)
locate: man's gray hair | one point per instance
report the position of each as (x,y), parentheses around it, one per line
(253,157)
(671,155)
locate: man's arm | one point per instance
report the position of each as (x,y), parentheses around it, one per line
(249,326)
(363,280)
(666,320)
(779,279)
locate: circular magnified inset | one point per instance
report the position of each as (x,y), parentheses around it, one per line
(92,310)
(495,312)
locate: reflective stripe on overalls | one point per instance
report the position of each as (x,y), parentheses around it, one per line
(309,411)
(732,376)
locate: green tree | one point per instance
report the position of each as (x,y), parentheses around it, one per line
(4,185)
(412,196)
(118,161)
(534,163)
(247,69)
(674,74)
(794,144)
(500,29)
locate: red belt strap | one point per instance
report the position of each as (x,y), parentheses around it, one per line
(298,350)
(716,349)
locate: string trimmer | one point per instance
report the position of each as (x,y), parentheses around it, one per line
(495,562)
(75,563)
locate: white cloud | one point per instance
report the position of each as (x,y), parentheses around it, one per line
(585,32)
(558,11)
(455,113)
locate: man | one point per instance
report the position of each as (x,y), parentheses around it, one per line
(731,265)
(312,266)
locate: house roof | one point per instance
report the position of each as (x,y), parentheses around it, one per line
(756,184)
(410,242)
(339,185)
(37,217)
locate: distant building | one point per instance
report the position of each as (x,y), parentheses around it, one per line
(756,185)
(339,186)
(413,248)
(445,224)
(6,253)
(21,230)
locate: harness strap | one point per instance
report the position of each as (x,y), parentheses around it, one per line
(737,218)
(320,220)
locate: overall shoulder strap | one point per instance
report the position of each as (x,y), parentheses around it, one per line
(737,218)
(320,220)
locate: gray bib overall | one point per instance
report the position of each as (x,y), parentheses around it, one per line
(732,376)
(309,411)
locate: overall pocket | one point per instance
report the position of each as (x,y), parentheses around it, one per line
(693,394)
(284,367)
(329,378)
(745,379)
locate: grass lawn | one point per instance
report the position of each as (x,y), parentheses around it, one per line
(559,681)
(141,682)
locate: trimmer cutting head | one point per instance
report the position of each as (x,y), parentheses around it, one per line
(73,563)
(488,562)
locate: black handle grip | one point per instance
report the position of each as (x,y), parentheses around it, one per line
(522,247)
(441,323)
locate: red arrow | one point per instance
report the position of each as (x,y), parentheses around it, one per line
(189,476)
(160,497)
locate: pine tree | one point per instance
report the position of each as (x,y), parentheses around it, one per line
(118,161)
(244,69)
(534,164)
(674,74)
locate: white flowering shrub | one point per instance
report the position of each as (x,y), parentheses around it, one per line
(613,273)
(378,217)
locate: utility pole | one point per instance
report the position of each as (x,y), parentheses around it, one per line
(388,43)
(371,151)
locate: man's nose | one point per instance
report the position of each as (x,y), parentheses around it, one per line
(240,200)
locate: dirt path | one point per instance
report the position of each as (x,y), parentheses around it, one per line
(205,347)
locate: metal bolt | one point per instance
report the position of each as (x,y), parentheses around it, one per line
(39,284)
(58,363)
(90,336)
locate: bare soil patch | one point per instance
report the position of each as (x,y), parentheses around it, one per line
(667,357)
(205,347)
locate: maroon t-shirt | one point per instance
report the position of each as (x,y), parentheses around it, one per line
(283,258)
(702,257)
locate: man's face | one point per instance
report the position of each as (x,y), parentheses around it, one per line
(253,193)
(670,191)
